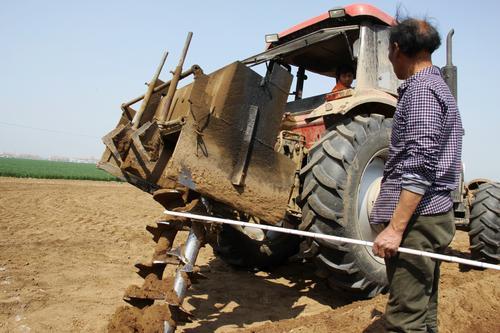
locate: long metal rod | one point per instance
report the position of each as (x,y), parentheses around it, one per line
(165,112)
(333,238)
(149,92)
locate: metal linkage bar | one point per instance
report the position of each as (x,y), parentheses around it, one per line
(149,93)
(165,113)
(333,238)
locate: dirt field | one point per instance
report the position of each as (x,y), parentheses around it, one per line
(67,250)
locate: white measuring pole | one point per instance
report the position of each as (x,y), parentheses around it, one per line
(330,237)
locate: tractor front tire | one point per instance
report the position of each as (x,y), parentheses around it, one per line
(484,231)
(342,169)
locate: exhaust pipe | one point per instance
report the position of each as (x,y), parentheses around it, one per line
(450,71)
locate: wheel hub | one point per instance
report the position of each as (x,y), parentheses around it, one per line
(369,189)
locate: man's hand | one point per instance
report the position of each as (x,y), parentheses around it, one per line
(387,242)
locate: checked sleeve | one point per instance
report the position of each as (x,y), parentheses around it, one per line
(424,123)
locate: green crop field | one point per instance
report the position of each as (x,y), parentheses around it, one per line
(24,168)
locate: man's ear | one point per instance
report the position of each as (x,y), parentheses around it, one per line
(395,48)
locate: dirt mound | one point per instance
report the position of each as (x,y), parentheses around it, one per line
(67,250)
(147,320)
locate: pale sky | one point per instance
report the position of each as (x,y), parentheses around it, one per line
(67,66)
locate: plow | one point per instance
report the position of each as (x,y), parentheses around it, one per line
(247,147)
(167,149)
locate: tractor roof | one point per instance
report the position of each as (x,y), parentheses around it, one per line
(321,43)
(339,16)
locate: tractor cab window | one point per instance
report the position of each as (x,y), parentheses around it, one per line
(315,59)
(319,52)
(323,71)
(319,66)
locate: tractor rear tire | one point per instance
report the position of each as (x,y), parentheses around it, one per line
(341,168)
(484,231)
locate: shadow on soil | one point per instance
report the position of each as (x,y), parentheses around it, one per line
(236,298)
(464,255)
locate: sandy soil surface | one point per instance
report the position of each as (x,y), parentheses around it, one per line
(67,250)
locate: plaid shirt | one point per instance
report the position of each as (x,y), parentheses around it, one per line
(426,146)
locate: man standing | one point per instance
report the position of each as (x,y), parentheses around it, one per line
(422,169)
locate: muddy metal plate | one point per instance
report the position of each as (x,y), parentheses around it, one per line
(231,127)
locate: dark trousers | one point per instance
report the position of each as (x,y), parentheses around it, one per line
(414,280)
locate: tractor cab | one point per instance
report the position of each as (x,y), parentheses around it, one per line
(354,35)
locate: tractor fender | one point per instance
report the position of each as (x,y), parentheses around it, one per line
(474,184)
(359,98)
